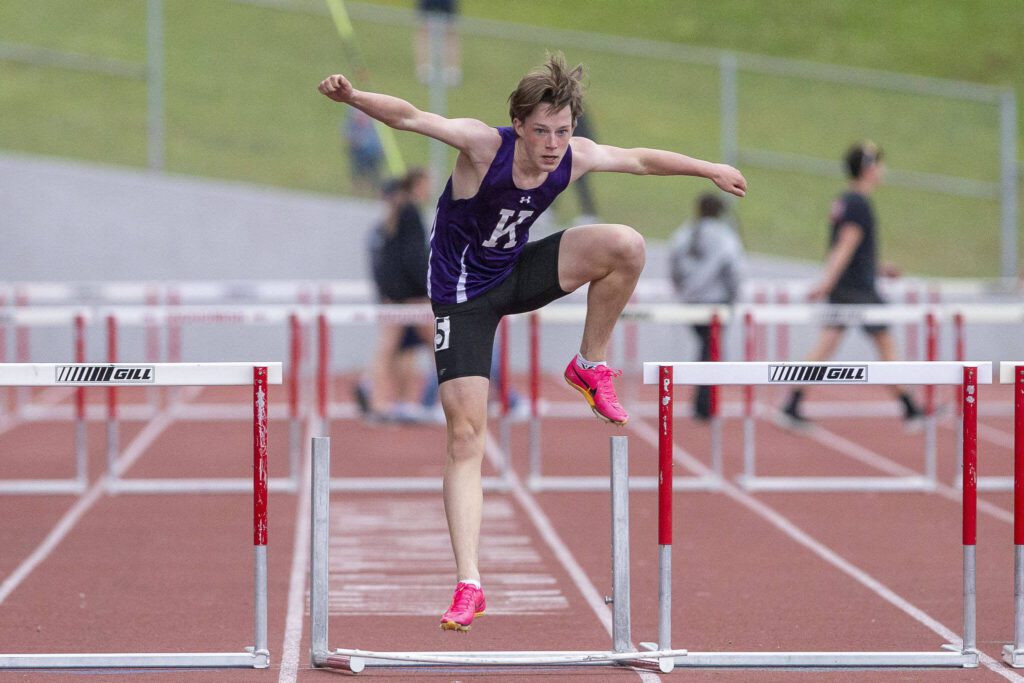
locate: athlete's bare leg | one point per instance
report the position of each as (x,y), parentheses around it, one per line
(825,348)
(828,342)
(885,345)
(610,258)
(382,370)
(465,407)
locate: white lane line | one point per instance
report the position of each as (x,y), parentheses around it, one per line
(776,519)
(559,549)
(81,506)
(56,535)
(295,619)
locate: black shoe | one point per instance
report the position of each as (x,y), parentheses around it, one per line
(790,418)
(913,416)
(362,397)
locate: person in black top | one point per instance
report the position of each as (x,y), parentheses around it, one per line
(850,271)
(398,262)
(445,11)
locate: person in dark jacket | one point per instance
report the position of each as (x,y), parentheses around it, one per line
(398,262)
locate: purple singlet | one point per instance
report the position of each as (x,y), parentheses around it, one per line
(475,242)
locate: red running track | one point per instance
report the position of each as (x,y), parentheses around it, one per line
(781,571)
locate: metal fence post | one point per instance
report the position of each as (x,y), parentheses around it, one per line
(155,83)
(729,99)
(1008,178)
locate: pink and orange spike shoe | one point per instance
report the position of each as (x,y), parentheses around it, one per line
(596,386)
(467,604)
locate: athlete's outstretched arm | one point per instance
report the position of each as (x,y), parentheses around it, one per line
(588,156)
(465,135)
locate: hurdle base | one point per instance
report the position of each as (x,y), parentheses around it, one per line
(990,483)
(549,483)
(42,486)
(355,661)
(872,484)
(945,658)
(117,485)
(409,484)
(1013,657)
(253,660)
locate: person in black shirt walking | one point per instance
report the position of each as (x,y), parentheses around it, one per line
(850,271)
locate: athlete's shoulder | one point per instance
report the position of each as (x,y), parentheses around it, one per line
(580,145)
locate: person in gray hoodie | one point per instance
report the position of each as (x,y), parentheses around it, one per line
(707,265)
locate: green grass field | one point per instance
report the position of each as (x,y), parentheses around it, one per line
(241,101)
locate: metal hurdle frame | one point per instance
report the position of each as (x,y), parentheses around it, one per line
(245,315)
(354,661)
(366,314)
(992,314)
(966,374)
(849,315)
(77,318)
(1012,372)
(677,314)
(259,376)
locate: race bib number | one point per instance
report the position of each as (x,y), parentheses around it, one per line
(442,327)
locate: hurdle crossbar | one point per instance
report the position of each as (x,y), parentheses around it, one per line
(1012,372)
(259,376)
(969,375)
(750,374)
(355,660)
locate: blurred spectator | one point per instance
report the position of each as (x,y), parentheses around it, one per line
(444,11)
(850,272)
(398,261)
(365,151)
(706,264)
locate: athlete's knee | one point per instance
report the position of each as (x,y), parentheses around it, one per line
(465,439)
(628,247)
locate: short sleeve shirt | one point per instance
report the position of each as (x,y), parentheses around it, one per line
(859,275)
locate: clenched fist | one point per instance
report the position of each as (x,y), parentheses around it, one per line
(336,87)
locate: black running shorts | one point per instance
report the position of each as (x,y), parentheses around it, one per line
(863,297)
(464,333)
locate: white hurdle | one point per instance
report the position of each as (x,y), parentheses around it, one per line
(667,314)
(285,317)
(352,314)
(968,375)
(1012,372)
(1010,315)
(825,314)
(354,660)
(257,375)
(76,319)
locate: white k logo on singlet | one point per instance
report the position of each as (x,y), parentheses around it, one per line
(505,228)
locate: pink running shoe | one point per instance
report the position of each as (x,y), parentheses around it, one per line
(596,387)
(467,603)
